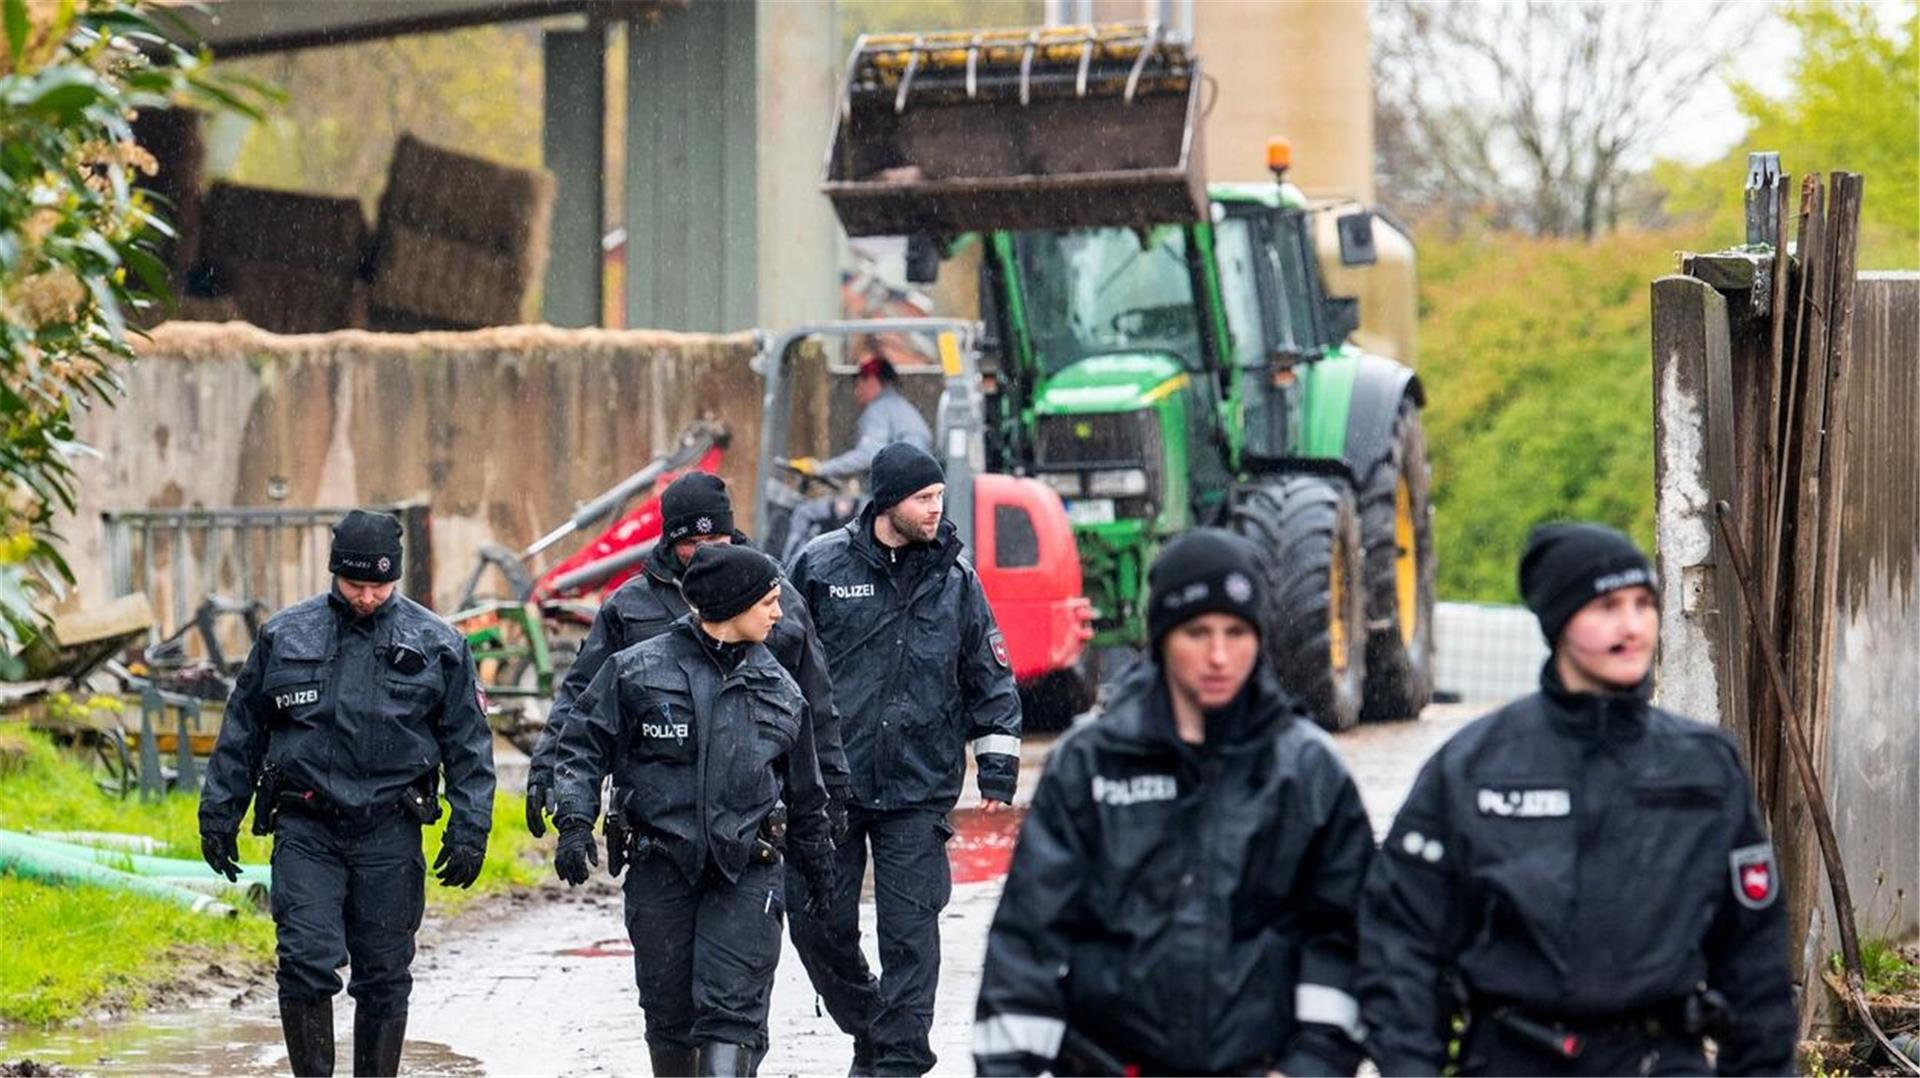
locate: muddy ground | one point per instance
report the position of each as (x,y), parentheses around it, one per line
(542,983)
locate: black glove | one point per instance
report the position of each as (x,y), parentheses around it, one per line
(618,838)
(837,816)
(576,852)
(822,882)
(221,851)
(539,804)
(459,862)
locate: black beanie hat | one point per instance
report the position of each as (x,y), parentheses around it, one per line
(1205,571)
(723,580)
(366,548)
(695,504)
(1566,566)
(900,471)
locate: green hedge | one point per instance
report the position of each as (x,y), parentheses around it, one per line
(1536,358)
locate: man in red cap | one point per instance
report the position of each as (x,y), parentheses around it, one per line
(886,417)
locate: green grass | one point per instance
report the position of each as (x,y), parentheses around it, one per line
(69,950)
(1886,969)
(66,950)
(1536,358)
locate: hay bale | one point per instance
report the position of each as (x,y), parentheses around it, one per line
(466,198)
(287,262)
(461,242)
(295,299)
(254,224)
(427,281)
(208,309)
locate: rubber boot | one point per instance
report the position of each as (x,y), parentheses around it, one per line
(377,1040)
(308,1028)
(721,1060)
(671,1062)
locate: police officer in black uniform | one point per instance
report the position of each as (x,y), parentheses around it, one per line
(696,511)
(1582,876)
(348,706)
(707,735)
(1184,894)
(919,670)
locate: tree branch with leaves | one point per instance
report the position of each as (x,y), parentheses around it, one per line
(77,257)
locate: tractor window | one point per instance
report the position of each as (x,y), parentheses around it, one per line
(1296,293)
(1240,289)
(1092,292)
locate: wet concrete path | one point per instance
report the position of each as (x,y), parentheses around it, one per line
(543,983)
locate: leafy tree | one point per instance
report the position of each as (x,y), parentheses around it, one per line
(1853,103)
(76,253)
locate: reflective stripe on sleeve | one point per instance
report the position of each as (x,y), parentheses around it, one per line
(1001,744)
(1330,1007)
(1022,1034)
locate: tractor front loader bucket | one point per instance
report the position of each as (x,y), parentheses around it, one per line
(1063,127)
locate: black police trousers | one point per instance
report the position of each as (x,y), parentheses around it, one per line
(1493,1049)
(704,952)
(834,962)
(911,885)
(347,893)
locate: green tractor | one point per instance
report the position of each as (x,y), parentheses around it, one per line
(1163,353)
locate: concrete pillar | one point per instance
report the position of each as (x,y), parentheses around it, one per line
(691,184)
(799,85)
(572,148)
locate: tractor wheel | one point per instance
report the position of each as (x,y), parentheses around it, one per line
(1396,525)
(1316,639)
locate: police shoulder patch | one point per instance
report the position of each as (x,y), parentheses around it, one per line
(1756,880)
(999,645)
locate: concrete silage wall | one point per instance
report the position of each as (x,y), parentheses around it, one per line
(502,431)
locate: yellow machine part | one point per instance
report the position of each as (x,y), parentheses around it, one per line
(1388,290)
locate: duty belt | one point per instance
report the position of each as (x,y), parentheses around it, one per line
(1701,1013)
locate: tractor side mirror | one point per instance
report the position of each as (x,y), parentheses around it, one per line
(1356,239)
(923,259)
(1343,316)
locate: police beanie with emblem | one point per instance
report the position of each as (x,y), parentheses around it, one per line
(1206,571)
(900,471)
(1566,566)
(695,504)
(724,580)
(366,548)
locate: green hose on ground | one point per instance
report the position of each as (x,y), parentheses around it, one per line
(137,864)
(29,861)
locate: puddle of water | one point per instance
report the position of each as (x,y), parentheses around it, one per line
(982,845)
(206,1039)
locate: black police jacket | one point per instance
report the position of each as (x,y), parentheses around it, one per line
(1186,909)
(353,710)
(702,754)
(919,667)
(648,605)
(1578,857)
